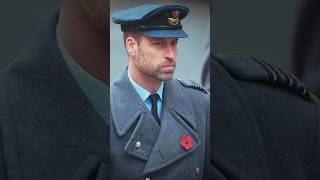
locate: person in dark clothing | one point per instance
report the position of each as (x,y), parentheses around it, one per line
(52,126)
(265,124)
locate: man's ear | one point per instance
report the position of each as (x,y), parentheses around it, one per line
(132,46)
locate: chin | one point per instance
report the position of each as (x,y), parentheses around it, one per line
(166,77)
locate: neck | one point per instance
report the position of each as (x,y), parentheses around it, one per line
(86,44)
(145,81)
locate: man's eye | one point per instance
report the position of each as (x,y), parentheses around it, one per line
(160,43)
(174,43)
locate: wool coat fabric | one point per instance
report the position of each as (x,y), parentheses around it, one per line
(49,129)
(185,112)
(265,123)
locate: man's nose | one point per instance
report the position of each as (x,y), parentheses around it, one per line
(171,53)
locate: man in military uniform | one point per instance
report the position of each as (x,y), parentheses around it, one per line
(158,124)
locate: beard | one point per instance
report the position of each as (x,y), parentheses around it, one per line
(155,71)
(97,12)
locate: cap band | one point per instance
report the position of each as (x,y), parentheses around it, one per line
(149,28)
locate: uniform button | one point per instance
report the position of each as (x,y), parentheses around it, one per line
(197,170)
(148,178)
(138,145)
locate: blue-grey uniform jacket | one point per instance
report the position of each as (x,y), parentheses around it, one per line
(185,112)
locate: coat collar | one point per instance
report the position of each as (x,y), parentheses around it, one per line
(125,114)
(161,145)
(126,105)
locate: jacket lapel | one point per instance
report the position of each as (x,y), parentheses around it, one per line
(127,109)
(177,120)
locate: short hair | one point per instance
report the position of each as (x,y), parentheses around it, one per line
(134,34)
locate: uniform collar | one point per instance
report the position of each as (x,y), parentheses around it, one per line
(125,114)
(95,90)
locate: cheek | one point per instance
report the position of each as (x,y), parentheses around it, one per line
(143,60)
(147,56)
(151,57)
(156,56)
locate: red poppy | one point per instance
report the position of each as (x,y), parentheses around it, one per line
(186,142)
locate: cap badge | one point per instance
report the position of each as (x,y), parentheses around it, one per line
(174,20)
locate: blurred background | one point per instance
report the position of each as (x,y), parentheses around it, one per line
(285,33)
(191,50)
(19,21)
(262,28)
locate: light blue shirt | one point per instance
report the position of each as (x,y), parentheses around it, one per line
(96,91)
(144,94)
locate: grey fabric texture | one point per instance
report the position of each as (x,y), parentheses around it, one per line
(185,112)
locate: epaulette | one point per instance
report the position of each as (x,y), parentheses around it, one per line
(192,84)
(254,69)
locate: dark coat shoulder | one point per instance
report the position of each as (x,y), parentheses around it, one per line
(265,122)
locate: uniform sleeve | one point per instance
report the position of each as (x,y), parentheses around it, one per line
(315,167)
